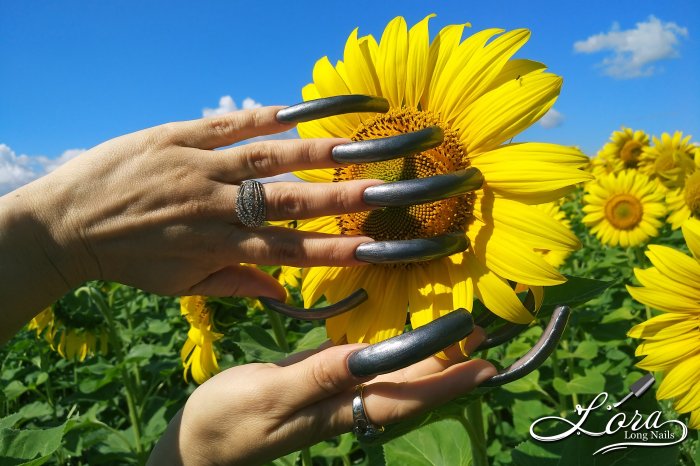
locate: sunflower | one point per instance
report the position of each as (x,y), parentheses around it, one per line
(624,149)
(672,340)
(623,209)
(72,328)
(669,160)
(480,98)
(197,354)
(684,203)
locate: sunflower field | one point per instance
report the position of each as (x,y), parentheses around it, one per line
(96,378)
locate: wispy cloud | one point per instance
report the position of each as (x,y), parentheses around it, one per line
(552,119)
(227,105)
(634,51)
(17,170)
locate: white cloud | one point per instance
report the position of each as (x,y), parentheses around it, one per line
(17,170)
(552,119)
(634,51)
(228,105)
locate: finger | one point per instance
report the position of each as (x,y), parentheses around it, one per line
(285,246)
(321,375)
(296,201)
(436,364)
(387,403)
(239,280)
(301,355)
(224,130)
(269,158)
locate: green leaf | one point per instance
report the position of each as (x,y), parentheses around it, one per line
(439,443)
(8,422)
(258,344)
(35,446)
(529,383)
(14,389)
(289,460)
(575,291)
(623,314)
(312,339)
(586,350)
(592,383)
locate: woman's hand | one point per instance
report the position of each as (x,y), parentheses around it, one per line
(254,413)
(156,209)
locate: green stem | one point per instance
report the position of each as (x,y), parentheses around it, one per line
(278,329)
(116,343)
(641,262)
(475,418)
(306,459)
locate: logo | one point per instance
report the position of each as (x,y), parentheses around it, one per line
(636,430)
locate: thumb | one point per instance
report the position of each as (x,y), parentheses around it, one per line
(320,376)
(240,280)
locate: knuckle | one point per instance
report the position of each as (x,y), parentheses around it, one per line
(325,377)
(343,198)
(284,251)
(289,204)
(257,159)
(223,126)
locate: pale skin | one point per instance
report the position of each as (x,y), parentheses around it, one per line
(154,209)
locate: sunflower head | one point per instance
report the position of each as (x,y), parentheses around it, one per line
(670,159)
(623,209)
(624,149)
(481,98)
(73,327)
(197,354)
(671,340)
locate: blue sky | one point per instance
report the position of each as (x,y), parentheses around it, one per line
(76,73)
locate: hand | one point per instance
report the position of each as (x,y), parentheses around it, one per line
(156,209)
(254,413)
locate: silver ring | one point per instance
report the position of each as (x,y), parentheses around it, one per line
(363,428)
(250,204)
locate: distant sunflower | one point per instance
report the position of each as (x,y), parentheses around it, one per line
(198,356)
(684,202)
(624,149)
(669,159)
(481,98)
(672,340)
(72,327)
(624,209)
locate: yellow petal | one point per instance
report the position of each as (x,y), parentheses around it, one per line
(674,264)
(417,70)
(456,63)
(508,257)
(476,76)
(362,77)
(502,113)
(319,175)
(679,379)
(495,293)
(441,49)
(514,70)
(691,233)
(391,61)
(663,301)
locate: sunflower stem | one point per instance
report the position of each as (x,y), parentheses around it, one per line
(641,262)
(116,342)
(278,329)
(306,459)
(475,418)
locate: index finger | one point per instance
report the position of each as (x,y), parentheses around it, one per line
(224,130)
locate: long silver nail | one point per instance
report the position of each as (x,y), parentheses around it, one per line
(539,353)
(421,190)
(388,148)
(412,250)
(342,306)
(330,106)
(409,348)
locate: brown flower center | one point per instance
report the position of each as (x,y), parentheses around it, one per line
(624,211)
(630,153)
(415,221)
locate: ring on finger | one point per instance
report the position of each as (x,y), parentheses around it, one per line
(363,428)
(250,204)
